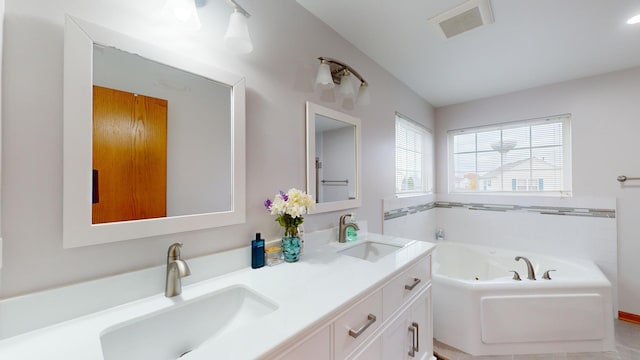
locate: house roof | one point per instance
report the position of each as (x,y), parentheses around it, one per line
(537,164)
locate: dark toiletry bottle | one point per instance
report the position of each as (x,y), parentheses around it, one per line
(257,252)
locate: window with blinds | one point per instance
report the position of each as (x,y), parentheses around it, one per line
(529,156)
(414,157)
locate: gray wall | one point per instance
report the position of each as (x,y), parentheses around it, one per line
(605,132)
(338,157)
(279,74)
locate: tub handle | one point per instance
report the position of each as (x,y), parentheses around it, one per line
(546,275)
(415,339)
(516,276)
(416,281)
(355,333)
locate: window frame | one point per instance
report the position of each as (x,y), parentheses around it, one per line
(428,156)
(564,119)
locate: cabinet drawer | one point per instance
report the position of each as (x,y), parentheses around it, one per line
(355,325)
(409,282)
(372,351)
(316,347)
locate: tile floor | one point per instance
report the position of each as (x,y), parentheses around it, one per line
(627,348)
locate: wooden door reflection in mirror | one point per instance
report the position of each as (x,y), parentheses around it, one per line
(129,156)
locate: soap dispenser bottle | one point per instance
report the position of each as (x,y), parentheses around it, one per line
(352,234)
(257,252)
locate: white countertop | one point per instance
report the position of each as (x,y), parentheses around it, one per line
(307,293)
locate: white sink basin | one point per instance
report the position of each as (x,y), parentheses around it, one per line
(370,251)
(170,333)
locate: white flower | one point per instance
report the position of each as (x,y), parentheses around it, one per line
(297,203)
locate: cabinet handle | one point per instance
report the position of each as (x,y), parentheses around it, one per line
(370,320)
(412,349)
(417,336)
(416,281)
(95,187)
(415,339)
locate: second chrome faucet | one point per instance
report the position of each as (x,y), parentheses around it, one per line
(344,225)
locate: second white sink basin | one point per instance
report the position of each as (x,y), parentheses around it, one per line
(170,333)
(370,251)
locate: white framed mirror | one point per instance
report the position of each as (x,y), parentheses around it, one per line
(1,37)
(174,130)
(333,159)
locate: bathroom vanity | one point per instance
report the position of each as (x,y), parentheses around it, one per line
(368,299)
(391,321)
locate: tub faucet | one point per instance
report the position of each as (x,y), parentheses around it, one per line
(342,233)
(531,275)
(176,269)
(516,276)
(546,275)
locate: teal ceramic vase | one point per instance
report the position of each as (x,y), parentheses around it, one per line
(291,246)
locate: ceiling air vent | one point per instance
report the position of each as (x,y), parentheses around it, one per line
(468,16)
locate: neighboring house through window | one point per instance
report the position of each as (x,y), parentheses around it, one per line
(521,156)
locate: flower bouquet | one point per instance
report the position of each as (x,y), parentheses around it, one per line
(289,208)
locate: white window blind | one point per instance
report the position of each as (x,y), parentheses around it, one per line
(531,156)
(414,157)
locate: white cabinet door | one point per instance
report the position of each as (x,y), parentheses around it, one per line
(410,336)
(316,347)
(420,320)
(396,339)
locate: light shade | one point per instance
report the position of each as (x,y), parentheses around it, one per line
(185,11)
(634,20)
(324,79)
(237,37)
(364,98)
(346,86)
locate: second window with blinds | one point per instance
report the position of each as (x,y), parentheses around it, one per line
(414,158)
(528,156)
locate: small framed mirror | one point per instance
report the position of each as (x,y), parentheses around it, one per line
(333,159)
(154,143)
(1,27)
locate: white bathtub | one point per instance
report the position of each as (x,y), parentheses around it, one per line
(481,310)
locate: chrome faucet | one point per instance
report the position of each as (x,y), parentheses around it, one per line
(176,269)
(531,275)
(342,232)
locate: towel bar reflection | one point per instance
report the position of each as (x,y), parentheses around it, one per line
(336,181)
(623,178)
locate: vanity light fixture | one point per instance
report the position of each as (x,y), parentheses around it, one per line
(185,11)
(237,37)
(333,72)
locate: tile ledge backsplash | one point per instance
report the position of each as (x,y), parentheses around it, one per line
(589,207)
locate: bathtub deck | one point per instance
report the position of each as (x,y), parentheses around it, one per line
(627,348)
